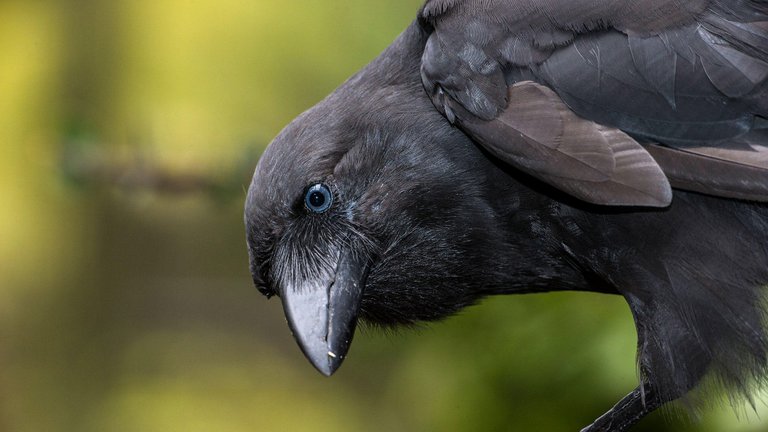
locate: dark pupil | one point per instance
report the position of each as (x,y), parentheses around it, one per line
(316,199)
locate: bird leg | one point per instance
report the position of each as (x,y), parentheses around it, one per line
(631,409)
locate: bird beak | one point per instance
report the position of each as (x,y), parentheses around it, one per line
(322,314)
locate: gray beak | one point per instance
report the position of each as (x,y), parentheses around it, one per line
(322,314)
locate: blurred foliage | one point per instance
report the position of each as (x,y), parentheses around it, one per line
(129,131)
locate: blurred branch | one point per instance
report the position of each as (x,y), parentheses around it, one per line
(86,163)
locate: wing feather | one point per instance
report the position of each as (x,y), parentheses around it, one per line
(538,134)
(601,75)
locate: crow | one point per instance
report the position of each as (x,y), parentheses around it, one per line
(527,146)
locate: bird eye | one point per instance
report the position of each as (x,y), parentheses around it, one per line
(318,198)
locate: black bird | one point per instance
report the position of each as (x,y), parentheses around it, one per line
(518,146)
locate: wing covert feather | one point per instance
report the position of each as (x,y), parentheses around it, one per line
(538,134)
(690,75)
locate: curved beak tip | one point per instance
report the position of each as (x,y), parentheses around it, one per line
(326,350)
(328,365)
(326,353)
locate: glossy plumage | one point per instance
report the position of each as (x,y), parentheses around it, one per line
(501,147)
(688,75)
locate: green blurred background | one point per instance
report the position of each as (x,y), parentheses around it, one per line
(128,133)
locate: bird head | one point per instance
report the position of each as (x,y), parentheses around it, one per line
(372,205)
(347,220)
(357,209)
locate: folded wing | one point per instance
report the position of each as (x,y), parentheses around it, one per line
(609,101)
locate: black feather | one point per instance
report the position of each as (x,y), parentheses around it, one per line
(453,184)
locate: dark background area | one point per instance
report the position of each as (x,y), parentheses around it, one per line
(128,133)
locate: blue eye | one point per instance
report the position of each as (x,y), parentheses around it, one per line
(318,198)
